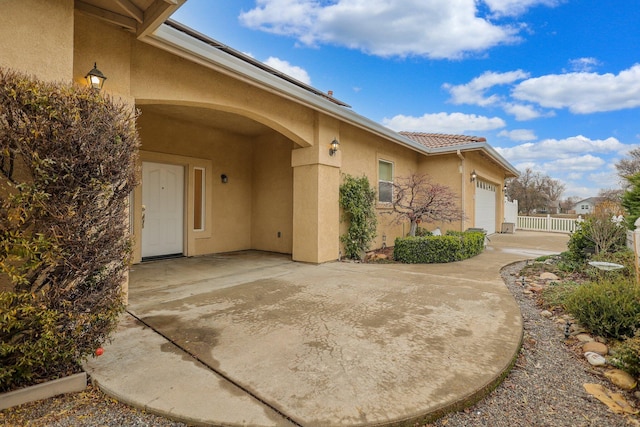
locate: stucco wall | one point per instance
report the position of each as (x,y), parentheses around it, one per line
(107,46)
(487,171)
(449,170)
(361,152)
(272,201)
(36,37)
(157,74)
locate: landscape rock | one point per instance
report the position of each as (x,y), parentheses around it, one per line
(595,347)
(621,379)
(548,276)
(595,359)
(535,288)
(546,313)
(584,338)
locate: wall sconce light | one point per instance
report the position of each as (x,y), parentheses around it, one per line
(224,178)
(474,175)
(95,78)
(334,147)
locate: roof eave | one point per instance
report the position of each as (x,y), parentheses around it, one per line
(179,43)
(484,146)
(172,40)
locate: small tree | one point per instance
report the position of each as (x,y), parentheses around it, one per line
(357,200)
(417,199)
(604,229)
(67,167)
(631,200)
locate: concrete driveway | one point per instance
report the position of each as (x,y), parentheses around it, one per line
(252,338)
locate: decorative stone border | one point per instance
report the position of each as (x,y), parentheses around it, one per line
(71,384)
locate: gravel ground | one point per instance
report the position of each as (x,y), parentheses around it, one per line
(545,388)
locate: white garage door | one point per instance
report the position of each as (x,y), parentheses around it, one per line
(485,206)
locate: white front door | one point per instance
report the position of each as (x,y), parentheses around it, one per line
(163,207)
(485,212)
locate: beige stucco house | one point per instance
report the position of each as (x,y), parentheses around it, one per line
(235,155)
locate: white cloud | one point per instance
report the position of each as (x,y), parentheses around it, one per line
(568,148)
(583,93)
(583,65)
(294,71)
(523,112)
(519,134)
(516,7)
(435,29)
(584,163)
(453,123)
(474,92)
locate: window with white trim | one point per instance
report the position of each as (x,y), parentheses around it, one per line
(385,181)
(198,199)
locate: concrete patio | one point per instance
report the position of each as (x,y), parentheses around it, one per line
(252,338)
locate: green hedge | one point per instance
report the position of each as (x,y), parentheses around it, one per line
(609,308)
(454,246)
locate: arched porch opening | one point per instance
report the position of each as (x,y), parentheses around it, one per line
(236,175)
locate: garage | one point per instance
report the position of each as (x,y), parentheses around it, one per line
(485,211)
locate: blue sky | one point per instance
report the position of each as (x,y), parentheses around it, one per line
(553,85)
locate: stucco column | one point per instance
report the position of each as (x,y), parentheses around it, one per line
(316,213)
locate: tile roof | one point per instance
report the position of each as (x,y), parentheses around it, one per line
(439,140)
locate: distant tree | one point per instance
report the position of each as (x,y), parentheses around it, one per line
(629,166)
(552,190)
(417,199)
(611,195)
(534,191)
(567,204)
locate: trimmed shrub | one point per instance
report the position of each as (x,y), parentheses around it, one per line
(623,257)
(580,246)
(67,166)
(422,232)
(627,356)
(555,294)
(454,246)
(609,308)
(31,346)
(472,242)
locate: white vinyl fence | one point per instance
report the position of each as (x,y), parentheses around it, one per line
(511,211)
(548,223)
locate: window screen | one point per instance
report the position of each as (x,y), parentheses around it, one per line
(385,181)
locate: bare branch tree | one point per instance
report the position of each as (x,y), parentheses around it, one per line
(606,227)
(417,199)
(535,191)
(630,166)
(611,194)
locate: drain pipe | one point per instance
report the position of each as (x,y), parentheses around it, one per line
(461,169)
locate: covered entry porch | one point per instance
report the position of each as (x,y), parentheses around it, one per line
(215,181)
